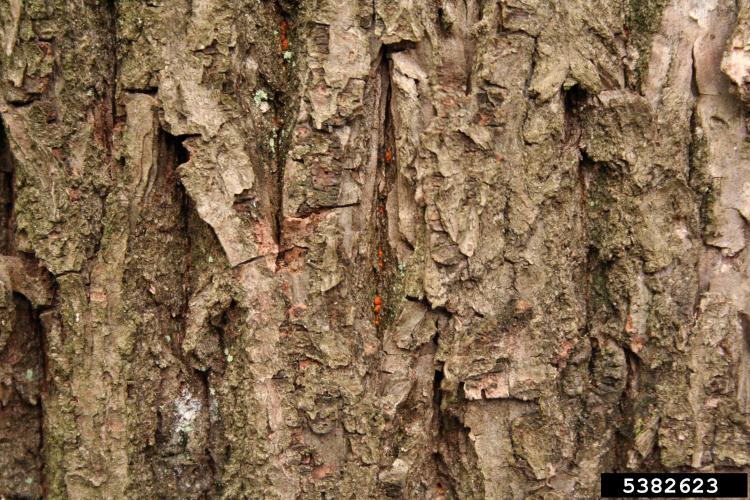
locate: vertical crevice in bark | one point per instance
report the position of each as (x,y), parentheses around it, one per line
(601,352)
(21,386)
(628,407)
(700,180)
(112,5)
(616,266)
(456,464)
(277,197)
(574,99)
(386,207)
(22,363)
(278,200)
(6,194)
(443,484)
(385,176)
(190,461)
(284,85)
(158,280)
(591,264)
(473,16)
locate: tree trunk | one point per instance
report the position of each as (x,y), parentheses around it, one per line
(371,248)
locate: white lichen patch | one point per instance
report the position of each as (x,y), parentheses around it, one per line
(261,100)
(187,408)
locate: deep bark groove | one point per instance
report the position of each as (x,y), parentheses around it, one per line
(23,379)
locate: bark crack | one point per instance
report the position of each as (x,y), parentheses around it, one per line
(112,4)
(25,290)
(384,182)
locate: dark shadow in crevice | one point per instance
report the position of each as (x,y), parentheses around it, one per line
(22,362)
(172,150)
(7,200)
(574,102)
(22,383)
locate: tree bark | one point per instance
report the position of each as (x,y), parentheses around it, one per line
(371,248)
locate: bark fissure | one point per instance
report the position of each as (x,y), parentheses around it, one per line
(178,444)
(386,172)
(113,41)
(6,194)
(21,393)
(25,290)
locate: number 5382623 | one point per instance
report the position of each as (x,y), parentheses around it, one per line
(695,485)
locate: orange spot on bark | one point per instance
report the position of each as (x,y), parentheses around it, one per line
(388,155)
(522,306)
(629,324)
(377,309)
(282,29)
(377,300)
(322,471)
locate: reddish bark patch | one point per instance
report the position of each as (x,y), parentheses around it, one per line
(322,471)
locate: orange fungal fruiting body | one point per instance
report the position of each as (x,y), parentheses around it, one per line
(282,29)
(377,305)
(388,155)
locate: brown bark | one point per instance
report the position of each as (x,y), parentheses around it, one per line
(370,249)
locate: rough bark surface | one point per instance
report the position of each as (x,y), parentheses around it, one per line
(371,248)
